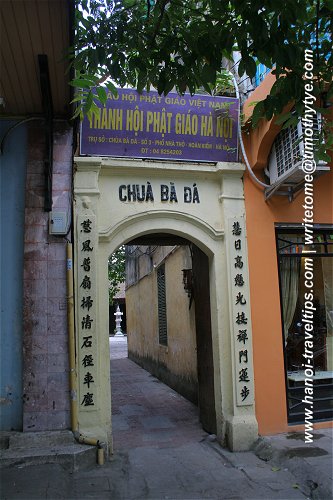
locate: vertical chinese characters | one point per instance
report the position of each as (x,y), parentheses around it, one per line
(87,313)
(244,371)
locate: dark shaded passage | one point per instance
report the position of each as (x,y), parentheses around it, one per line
(146,412)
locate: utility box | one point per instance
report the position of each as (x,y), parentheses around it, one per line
(58,223)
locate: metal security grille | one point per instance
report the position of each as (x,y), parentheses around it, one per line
(161,301)
(287,149)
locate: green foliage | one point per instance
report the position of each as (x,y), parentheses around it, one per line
(224,84)
(116,272)
(184,44)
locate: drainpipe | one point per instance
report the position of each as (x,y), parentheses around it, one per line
(72,361)
(71,338)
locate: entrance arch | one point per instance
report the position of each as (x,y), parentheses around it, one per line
(176,232)
(106,219)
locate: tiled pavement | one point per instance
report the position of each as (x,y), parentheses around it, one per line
(147,412)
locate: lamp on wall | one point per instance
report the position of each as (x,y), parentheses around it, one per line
(188,283)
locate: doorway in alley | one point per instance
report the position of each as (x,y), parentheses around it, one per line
(146,413)
(168,329)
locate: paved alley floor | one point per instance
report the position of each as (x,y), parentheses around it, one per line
(160,452)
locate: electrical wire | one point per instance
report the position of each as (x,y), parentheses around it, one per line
(25,120)
(137,252)
(246,161)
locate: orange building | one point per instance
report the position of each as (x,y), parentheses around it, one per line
(279,267)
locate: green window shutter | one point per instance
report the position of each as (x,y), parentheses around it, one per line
(161,301)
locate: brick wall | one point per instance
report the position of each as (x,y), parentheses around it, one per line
(45,377)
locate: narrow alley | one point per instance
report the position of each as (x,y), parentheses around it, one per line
(146,412)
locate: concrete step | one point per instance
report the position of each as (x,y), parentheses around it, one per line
(40,439)
(53,447)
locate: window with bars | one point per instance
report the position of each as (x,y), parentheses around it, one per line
(288,149)
(161,304)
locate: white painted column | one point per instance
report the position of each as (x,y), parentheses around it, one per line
(93,365)
(240,428)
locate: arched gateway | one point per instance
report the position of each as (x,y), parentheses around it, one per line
(118,200)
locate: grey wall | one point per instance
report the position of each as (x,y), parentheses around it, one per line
(12,203)
(45,340)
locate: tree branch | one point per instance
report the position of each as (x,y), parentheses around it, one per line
(159,22)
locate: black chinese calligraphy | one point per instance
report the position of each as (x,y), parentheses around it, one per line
(239,280)
(88,360)
(244,393)
(86,226)
(87,302)
(243,354)
(86,246)
(88,399)
(86,283)
(86,322)
(242,336)
(240,299)
(243,375)
(86,264)
(236,229)
(239,262)
(87,342)
(241,319)
(238,245)
(88,379)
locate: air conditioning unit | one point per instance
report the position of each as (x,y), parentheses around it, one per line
(285,161)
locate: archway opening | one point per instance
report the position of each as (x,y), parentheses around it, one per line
(168,327)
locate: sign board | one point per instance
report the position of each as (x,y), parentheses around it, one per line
(195,128)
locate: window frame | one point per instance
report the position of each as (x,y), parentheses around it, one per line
(285,229)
